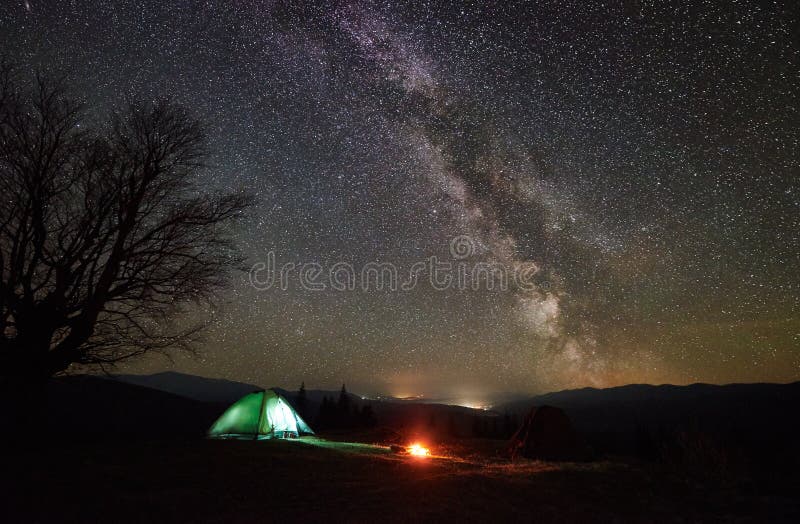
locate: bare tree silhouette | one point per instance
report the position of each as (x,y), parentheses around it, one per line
(104,233)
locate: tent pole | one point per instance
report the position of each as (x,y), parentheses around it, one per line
(261,413)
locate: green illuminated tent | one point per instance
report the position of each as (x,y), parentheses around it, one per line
(260,415)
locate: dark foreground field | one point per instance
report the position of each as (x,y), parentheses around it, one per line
(228,481)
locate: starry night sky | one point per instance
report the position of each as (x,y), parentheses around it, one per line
(642,156)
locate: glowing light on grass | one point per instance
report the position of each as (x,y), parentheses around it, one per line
(418,450)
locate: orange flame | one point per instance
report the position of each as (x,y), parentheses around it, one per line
(418,450)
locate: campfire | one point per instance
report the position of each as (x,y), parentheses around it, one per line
(414,449)
(418,450)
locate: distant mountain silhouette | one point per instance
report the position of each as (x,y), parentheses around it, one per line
(620,419)
(90,407)
(192,386)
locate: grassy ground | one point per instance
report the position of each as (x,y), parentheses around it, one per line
(229,481)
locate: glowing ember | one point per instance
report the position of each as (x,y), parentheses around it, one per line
(418,451)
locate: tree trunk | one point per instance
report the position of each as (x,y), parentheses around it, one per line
(24,405)
(24,379)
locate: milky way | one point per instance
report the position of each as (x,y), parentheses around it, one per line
(641,159)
